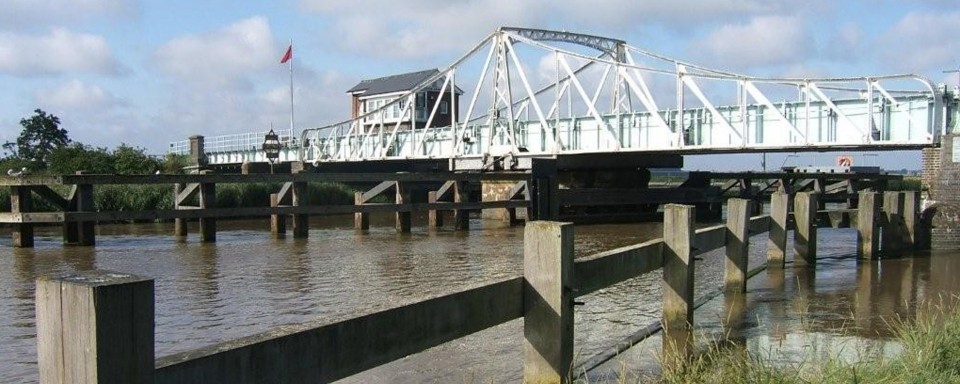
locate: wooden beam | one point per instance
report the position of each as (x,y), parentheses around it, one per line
(604,269)
(377,190)
(51,196)
(321,353)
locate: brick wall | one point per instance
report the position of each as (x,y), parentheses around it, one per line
(941,176)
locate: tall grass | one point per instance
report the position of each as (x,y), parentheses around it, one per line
(931,354)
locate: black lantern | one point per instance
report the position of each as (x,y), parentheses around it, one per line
(271,147)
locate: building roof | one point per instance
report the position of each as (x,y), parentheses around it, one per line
(396,83)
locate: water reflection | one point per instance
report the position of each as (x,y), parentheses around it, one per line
(249,282)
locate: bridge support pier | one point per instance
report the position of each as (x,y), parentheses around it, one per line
(403,216)
(278,223)
(805,233)
(868,215)
(208,225)
(941,211)
(361,220)
(21,201)
(777,243)
(301,221)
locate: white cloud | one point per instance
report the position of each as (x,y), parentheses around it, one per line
(764,41)
(27,13)
(922,42)
(393,29)
(221,58)
(57,52)
(75,95)
(417,28)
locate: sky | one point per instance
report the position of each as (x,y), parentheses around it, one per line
(145,73)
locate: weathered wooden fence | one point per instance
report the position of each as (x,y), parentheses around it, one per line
(98,327)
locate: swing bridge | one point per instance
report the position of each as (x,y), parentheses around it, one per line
(523,93)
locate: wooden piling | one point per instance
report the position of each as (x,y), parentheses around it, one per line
(95,327)
(461,217)
(434,217)
(402,196)
(21,201)
(548,302)
(361,220)
(738,245)
(86,231)
(892,235)
(208,225)
(179,225)
(911,219)
(678,268)
(777,243)
(301,221)
(278,223)
(868,214)
(805,233)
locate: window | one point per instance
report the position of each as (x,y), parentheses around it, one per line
(421,100)
(443,107)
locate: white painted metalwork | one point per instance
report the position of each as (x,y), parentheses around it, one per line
(604,95)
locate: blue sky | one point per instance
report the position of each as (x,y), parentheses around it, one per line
(149,72)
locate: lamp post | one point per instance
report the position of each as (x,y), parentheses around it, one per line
(271,147)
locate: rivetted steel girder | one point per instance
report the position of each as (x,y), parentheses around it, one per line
(599,43)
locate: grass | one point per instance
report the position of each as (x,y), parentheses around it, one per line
(931,354)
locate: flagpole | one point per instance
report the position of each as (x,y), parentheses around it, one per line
(291,89)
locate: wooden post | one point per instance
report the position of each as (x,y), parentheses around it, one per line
(678,275)
(738,245)
(208,225)
(86,230)
(461,217)
(402,196)
(95,327)
(545,203)
(777,243)
(179,225)
(868,212)
(911,219)
(548,302)
(278,223)
(361,220)
(805,234)
(892,222)
(21,202)
(434,217)
(301,221)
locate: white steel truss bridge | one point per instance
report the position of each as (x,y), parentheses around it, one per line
(530,92)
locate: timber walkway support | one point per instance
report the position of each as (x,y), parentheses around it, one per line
(97,327)
(194,198)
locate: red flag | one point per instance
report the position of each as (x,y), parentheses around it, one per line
(287,56)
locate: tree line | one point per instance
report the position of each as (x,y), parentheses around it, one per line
(45,147)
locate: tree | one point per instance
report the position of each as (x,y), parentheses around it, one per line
(129,160)
(78,157)
(40,136)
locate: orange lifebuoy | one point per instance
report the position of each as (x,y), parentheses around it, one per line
(844,161)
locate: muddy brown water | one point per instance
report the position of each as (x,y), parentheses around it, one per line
(248,283)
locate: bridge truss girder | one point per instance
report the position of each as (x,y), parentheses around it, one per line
(615,99)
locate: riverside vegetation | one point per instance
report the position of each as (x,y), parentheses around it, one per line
(930,354)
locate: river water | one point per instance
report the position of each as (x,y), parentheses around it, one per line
(248,283)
